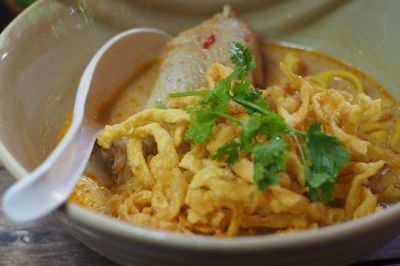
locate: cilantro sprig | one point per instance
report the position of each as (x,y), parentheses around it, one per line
(229,151)
(243,59)
(270,124)
(322,154)
(251,99)
(270,158)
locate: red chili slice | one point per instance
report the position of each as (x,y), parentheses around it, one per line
(210,41)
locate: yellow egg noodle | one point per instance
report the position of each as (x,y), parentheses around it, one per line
(177,187)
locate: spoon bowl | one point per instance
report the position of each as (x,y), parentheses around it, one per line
(50,184)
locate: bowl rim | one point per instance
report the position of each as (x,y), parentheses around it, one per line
(111,225)
(11,163)
(123,229)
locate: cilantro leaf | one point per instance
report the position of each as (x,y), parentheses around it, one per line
(325,193)
(325,155)
(203,121)
(219,96)
(271,125)
(229,151)
(243,58)
(204,117)
(269,159)
(325,152)
(251,99)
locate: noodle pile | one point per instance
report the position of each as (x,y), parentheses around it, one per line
(166,183)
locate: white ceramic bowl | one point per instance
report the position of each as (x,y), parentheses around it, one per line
(44,51)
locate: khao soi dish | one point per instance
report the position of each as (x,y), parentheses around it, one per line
(241,139)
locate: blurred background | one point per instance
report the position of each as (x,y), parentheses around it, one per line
(10,8)
(15,6)
(6,15)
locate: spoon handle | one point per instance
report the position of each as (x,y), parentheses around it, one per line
(41,192)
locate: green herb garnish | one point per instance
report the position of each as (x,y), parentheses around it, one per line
(229,151)
(252,100)
(325,156)
(270,158)
(203,121)
(270,124)
(243,59)
(322,155)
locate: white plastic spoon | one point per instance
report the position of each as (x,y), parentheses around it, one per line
(51,183)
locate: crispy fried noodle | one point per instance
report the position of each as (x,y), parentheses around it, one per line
(164,180)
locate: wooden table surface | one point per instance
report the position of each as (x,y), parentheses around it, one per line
(45,243)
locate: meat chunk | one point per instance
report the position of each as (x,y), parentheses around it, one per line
(187,56)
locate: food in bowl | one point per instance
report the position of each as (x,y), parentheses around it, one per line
(212,154)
